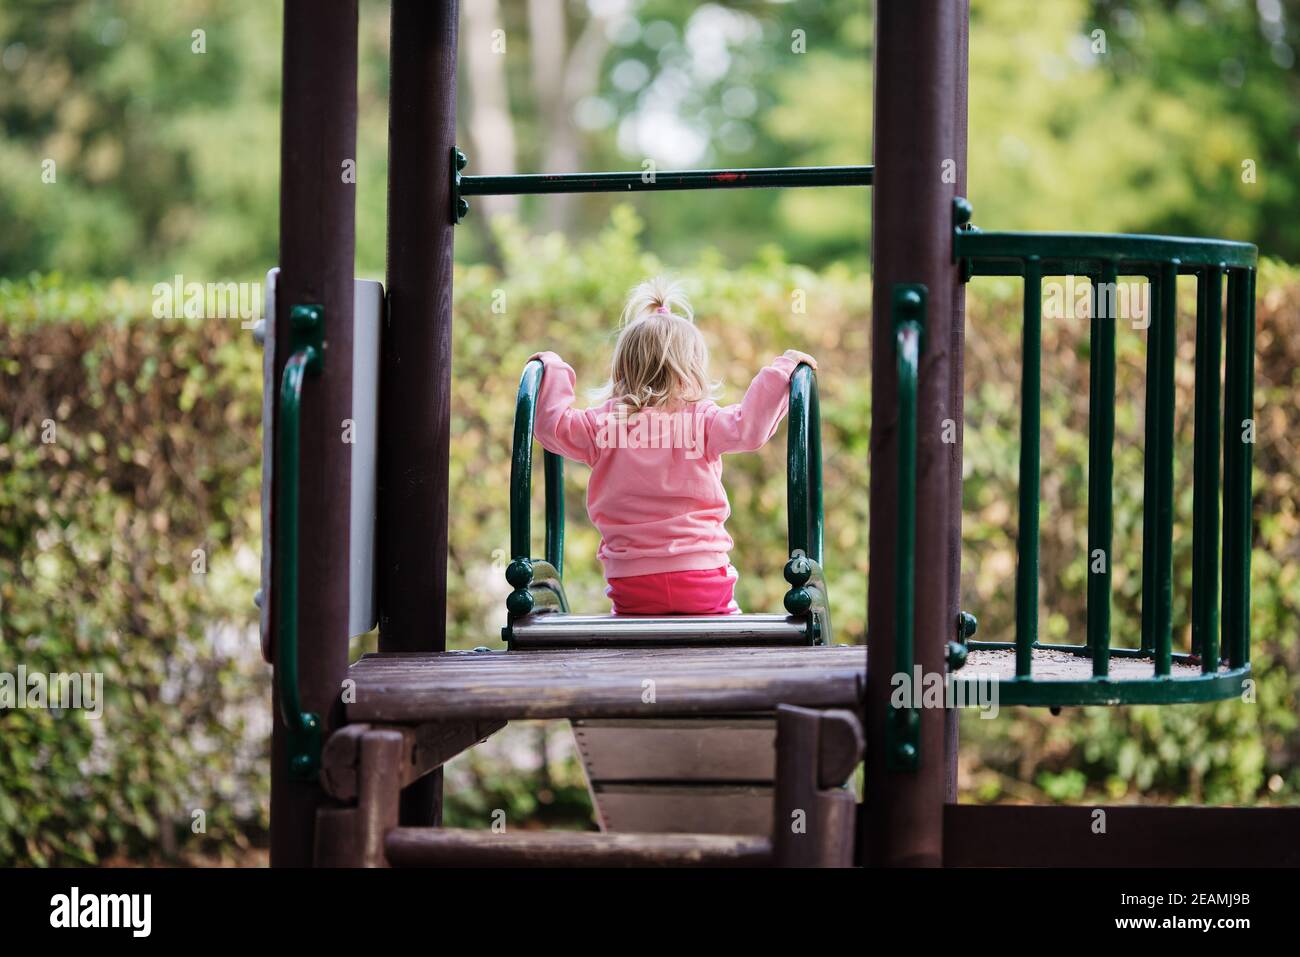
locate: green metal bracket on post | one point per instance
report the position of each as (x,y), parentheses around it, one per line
(903,730)
(306,353)
(459,205)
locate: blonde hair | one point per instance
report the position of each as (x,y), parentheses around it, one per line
(660,357)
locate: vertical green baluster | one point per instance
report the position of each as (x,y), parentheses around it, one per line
(1238,386)
(1164,589)
(1027,535)
(1247,474)
(1150,457)
(554,465)
(1205,486)
(1231,483)
(1101,443)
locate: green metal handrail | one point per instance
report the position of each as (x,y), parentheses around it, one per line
(805,570)
(303,727)
(523,571)
(533,581)
(1160,259)
(803,484)
(904,728)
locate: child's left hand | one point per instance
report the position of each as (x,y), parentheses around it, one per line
(797,357)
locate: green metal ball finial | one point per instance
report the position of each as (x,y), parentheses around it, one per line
(303,318)
(956,655)
(909,304)
(798,601)
(519,573)
(962,211)
(519,603)
(798,571)
(967,625)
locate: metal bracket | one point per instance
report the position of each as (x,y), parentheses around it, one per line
(962,211)
(459,205)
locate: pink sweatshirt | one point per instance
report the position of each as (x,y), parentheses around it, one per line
(656,494)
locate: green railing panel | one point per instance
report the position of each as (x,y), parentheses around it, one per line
(1220,623)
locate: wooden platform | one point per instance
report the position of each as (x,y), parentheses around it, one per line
(603,683)
(1052,665)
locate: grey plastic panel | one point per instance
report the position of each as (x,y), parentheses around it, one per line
(368,316)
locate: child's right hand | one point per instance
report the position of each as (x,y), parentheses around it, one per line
(797,357)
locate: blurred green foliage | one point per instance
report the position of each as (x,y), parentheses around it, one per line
(158,450)
(129,476)
(1084,114)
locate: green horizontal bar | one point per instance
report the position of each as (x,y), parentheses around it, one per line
(1088,250)
(1047,693)
(642,181)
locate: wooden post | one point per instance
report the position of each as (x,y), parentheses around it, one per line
(957,398)
(415,365)
(354,836)
(813,816)
(918,157)
(317,244)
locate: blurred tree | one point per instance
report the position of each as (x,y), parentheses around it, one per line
(1147,115)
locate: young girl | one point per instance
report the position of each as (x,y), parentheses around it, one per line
(655,447)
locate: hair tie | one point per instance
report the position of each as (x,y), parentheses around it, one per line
(663,309)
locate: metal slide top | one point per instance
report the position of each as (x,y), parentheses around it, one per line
(538,608)
(554,631)
(1217,663)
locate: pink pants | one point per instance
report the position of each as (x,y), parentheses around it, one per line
(708,591)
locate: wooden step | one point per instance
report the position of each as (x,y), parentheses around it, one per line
(684,808)
(458,847)
(603,682)
(680,775)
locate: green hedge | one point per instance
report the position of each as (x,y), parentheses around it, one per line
(157,454)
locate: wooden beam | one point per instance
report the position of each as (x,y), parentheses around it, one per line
(318,134)
(603,683)
(813,823)
(977,835)
(425,748)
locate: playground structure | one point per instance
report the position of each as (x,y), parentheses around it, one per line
(758,719)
